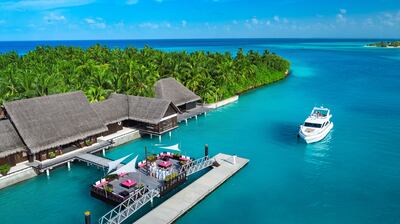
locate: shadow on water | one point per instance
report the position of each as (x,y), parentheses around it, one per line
(285,132)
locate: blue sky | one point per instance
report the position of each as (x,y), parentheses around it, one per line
(158,19)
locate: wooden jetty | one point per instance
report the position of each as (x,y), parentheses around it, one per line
(94,160)
(183,201)
(197,111)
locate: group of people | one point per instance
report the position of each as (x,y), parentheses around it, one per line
(159,173)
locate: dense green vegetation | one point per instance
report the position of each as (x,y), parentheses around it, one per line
(98,71)
(386,44)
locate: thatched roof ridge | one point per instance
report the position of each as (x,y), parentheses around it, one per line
(172,90)
(149,110)
(112,110)
(55,120)
(144,109)
(10,142)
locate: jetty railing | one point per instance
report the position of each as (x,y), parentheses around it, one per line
(128,207)
(197,165)
(124,210)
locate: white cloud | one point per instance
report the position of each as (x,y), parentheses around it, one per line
(120,24)
(184,23)
(285,20)
(390,18)
(96,23)
(254,21)
(132,2)
(340,17)
(276,18)
(368,22)
(54,17)
(42,4)
(149,25)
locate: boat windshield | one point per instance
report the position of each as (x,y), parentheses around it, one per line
(320,113)
(312,125)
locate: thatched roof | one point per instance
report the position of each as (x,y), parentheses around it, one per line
(55,120)
(10,142)
(172,90)
(112,110)
(144,109)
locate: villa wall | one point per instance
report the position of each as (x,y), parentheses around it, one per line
(222,102)
(17,177)
(120,140)
(13,159)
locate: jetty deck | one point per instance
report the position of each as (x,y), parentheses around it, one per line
(71,156)
(93,159)
(198,110)
(184,200)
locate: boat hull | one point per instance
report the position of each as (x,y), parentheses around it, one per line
(317,137)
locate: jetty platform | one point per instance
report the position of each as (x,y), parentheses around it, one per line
(176,206)
(93,160)
(197,111)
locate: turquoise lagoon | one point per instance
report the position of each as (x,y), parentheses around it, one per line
(353,176)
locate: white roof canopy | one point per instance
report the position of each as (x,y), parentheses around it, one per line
(114,164)
(128,168)
(172,147)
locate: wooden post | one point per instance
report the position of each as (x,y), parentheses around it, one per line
(196,117)
(145,153)
(87,217)
(170,134)
(48,172)
(104,152)
(206,150)
(186,121)
(69,165)
(159,138)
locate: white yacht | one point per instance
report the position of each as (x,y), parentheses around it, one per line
(317,125)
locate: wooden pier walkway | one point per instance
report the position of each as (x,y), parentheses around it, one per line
(93,160)
(71,156)
(197,111)
(170,210)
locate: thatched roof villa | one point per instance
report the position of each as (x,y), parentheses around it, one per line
(50,122)
(44,127)
(12,149)
(149,115)
(180,95)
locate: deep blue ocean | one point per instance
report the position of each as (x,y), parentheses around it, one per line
(352,176)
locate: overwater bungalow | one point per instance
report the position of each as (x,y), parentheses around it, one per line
(12,149)
(180,95)
(113,112)
(149,115)
(49,125)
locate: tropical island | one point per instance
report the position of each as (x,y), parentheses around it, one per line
(99,71)
(387,44)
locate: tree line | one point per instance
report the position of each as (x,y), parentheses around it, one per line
(385,44)
(99,71)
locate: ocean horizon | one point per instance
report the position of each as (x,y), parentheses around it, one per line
(24,46)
